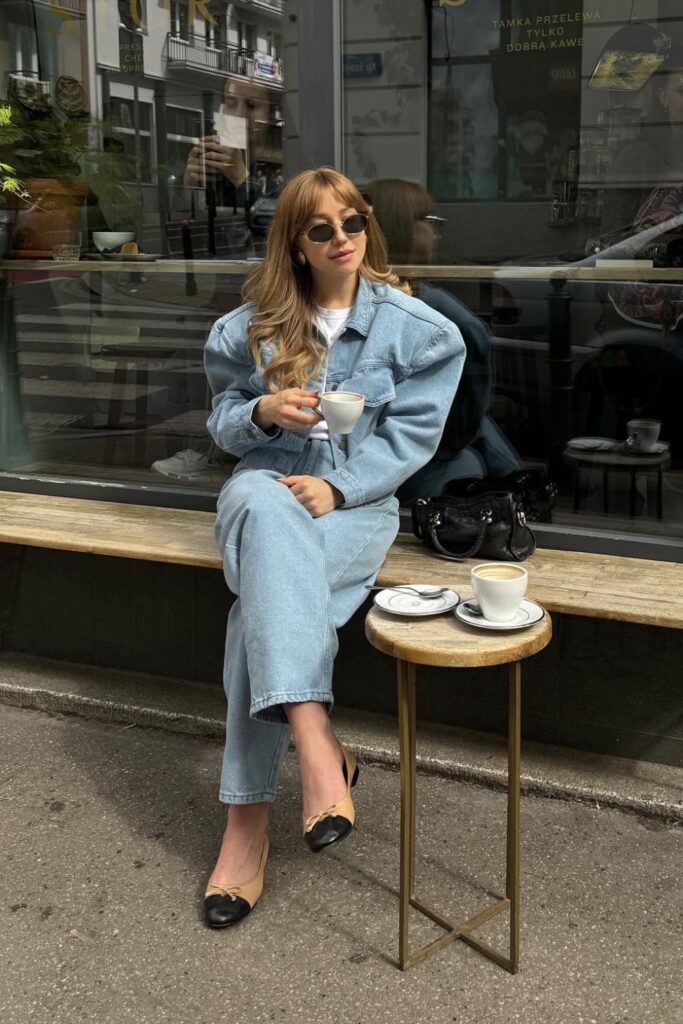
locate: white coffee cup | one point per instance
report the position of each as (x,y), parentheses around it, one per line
(643,435)
(341,410)
(499,588)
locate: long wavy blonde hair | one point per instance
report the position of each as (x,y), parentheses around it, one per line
(282,289)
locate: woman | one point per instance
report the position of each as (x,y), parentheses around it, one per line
(305,521)
(472,444)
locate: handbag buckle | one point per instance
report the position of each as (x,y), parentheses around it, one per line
(435,519)
(521,517)
(486,516)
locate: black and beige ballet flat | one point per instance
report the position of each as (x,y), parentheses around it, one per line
(224,907)
(334,824)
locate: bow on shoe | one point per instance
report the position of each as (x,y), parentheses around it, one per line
(311,822)
(215,890)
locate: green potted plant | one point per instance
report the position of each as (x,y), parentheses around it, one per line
(40,178)
(10,184)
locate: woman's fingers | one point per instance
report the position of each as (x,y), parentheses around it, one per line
(308,398)
(211,145)
(298,408)
(293,408)
(217,160)
(300,400)
(299,487)
(316,495)
(297,419)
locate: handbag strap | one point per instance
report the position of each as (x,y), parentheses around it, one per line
(438,546)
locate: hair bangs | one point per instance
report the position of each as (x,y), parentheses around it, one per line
(300,198)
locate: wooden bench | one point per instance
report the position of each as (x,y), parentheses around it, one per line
(573,583)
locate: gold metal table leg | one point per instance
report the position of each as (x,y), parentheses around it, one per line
(406,728)
(407,736)
(513,866)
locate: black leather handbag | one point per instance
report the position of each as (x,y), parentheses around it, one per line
(491,525)
(531,487)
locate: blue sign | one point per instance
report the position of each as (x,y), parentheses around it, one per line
(362,65)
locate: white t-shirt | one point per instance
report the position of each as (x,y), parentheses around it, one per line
(331,323)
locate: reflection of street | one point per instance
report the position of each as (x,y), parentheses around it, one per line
(12,429)
(110,378)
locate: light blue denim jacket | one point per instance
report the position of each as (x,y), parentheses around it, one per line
(402,356)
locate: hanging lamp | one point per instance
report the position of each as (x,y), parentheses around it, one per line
(630,58)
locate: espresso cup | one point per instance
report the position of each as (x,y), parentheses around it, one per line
(499,589)
(341,410)
(643,435)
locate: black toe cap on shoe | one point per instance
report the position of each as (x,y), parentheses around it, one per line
(328,831)
(222,911)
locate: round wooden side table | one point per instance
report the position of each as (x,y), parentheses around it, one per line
(445,641)
(633,463)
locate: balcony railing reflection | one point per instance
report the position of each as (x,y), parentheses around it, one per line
(76,6)
(275,5)
(192,52)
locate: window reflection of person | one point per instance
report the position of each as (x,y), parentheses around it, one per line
(655,158)
(472,444)
(218,173)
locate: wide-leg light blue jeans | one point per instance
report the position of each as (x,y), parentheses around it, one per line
(297,580)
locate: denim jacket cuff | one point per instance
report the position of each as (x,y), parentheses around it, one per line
(249,431)
(347,484)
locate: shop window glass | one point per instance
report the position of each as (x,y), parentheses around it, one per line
(541,204)
(145,136)
(532,150)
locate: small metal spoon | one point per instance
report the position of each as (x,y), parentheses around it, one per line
(472,607)
(427,595)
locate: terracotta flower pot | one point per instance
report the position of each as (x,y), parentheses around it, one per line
(55,217)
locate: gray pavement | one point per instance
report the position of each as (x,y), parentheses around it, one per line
(109,830)
(181,706)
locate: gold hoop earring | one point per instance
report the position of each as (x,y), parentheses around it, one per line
(300,258)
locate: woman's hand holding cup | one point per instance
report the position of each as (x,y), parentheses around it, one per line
(291,409)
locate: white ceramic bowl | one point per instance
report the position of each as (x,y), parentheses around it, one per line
(111,239)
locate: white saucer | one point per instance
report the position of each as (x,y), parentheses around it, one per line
(528,614)
(657,449)
(403,602)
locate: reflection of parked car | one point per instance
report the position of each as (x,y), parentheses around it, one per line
(262,212)
(661,243)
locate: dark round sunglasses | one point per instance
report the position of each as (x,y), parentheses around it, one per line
(353,225)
